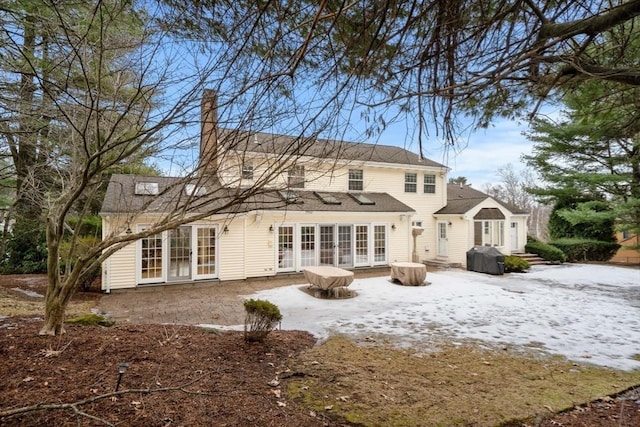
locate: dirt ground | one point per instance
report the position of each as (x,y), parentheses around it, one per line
(185,375)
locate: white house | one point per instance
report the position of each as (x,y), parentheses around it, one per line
(350,205)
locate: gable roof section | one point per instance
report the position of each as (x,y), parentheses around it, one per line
(321,148)
(121,198)
(489,213)
(461,199)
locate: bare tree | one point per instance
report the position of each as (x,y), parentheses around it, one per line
(407,58)
(130,75)
(123,90)
(514,190)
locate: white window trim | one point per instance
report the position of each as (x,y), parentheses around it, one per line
(430,184)
(165,255)
(414,183)
(360,181)
(194,251)
(164,248)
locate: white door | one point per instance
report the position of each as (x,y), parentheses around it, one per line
(345,246)
(442,240)
(514,236)
(206,253)
(180,253)
(327,245)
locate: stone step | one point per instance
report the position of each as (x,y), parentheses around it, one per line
(532,259)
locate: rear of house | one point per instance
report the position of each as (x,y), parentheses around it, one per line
(264,204)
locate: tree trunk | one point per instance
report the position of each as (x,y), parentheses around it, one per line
(58,295)
(54,313)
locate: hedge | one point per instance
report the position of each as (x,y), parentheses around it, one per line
(586,250)
(544,250)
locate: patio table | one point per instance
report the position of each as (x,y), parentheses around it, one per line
(409,273)
(327,277)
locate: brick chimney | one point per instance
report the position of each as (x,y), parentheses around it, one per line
(209,131)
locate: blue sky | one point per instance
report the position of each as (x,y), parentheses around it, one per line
(478,156)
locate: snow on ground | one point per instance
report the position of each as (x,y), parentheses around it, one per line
(588,313)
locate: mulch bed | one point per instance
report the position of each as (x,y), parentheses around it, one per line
(200,377)
(181,375)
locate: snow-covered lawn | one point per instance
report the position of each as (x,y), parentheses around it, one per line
(588,313)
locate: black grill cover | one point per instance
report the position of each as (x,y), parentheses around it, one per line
(485,259)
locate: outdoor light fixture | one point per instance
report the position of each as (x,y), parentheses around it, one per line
(122,368)
(128,230)
(393,227)
(225,230)
(271,228)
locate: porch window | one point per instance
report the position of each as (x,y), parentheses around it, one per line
(410,183)
(429,184)
(489,233)
(296,177)
(356,180)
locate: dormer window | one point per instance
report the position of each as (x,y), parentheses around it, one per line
(296,177)
(146,188)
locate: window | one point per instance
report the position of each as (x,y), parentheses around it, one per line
(150,257)
(362,244)
(247,170)
(146,188)
(356,180)
(626,234)
(206,251)
(416,223)
(410,183)
(489,233)
(195,190)
(296,177)
(429,184)
(379,244)
(327,198)
(307,245)
(362,199)
(285,248)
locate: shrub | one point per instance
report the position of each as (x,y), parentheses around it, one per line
(586,250)
(544,250)
(514,264)
(83,245)
(262,317)
(26,250)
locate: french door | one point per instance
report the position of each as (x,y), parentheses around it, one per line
(337,245)
(182,254)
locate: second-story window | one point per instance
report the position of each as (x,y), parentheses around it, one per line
(410,183)
(430,184)
(356,180)
(296,177)
(247,170)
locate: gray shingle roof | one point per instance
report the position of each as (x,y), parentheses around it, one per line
(461,199)
(320,148)
(121,198)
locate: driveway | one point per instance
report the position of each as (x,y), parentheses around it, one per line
(588,313)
